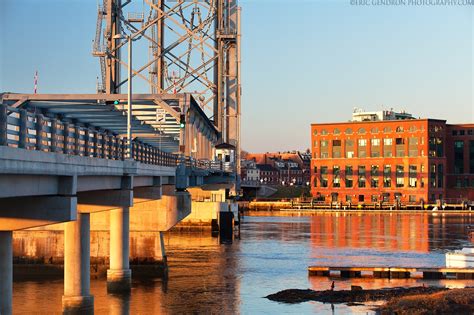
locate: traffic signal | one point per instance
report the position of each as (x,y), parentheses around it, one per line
(182,121)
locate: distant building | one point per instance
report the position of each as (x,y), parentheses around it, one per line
(360,115)
(411,160)
(299,164)
(269,175)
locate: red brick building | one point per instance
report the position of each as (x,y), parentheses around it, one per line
(460,156)
(410,160)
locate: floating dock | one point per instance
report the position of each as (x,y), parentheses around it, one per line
(393,272)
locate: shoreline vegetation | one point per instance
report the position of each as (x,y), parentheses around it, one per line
(399,300)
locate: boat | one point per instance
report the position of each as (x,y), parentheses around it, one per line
(463,258)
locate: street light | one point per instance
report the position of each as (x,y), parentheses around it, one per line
(129,94)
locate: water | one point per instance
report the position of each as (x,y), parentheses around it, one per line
(273,255)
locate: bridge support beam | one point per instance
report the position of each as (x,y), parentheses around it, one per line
(119,275)
(6,272)
(77,298)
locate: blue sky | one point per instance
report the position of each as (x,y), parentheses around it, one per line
(303,61)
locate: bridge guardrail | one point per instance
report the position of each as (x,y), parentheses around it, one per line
(209,165)
(32,131)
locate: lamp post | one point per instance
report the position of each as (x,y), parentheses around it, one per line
(129,154)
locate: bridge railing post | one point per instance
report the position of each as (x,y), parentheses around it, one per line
(54,135)
(39,132)
(110,146)
(3,125)
(23,130)
(66,138)
(77,140)
(87,142)
(103,143)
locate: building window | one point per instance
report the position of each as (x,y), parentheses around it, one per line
(348,198)
(362,150)
(458,157)
(336,148)
(324,176)
(324,149)
(387,129)
(374,198)
(400,176)
(440,175)
(387,147)
(348,176)
(399,129)
(375,148)
(324,132)
(387,176)
(374,176)
(361,131)
(470,132)
(471,156)
(412,176)
(336,131)
(348,131)
(412,128)
(361,198)
(336,180)
(412,147)
(374,130)
(455,132)
(362,177)
(400,147)
(462,132)
(435,147)
(315,132)
(349,149)
(433,175)
(315,181)
(412,198)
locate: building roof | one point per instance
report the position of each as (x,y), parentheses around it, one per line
(225,146)
(402,121)
(266,168)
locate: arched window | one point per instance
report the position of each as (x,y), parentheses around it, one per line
(336,131)
(374,130)
(348,131)
(361,131)
(387,129)
(315,132)
(324,132)
(399,129)
(412,128)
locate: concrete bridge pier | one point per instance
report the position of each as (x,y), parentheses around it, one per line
(6,272)
(119,276)
(77,298)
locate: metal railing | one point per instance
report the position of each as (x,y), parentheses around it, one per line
(204,164)
(31,131)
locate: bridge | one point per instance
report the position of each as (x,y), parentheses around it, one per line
(65,157)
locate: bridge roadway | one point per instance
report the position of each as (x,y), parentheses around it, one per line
(54,171)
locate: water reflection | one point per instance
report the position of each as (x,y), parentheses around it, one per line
(274,253)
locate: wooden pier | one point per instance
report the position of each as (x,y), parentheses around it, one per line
(393,272)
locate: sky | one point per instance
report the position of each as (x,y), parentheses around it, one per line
(303,61)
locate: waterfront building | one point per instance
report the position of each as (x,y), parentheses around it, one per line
(388,159)
(293,167)
(269,175)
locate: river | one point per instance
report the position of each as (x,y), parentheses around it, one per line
(273,254)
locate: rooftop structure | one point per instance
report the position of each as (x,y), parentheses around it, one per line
(361,115)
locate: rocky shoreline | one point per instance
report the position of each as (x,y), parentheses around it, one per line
(414,300)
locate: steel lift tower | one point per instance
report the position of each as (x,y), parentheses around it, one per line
(185,46)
